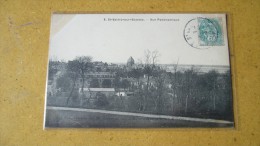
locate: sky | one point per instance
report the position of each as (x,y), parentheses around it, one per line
(75,35)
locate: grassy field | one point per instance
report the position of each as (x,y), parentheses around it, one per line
(80,119)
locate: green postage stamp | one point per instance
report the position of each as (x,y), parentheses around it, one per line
(210,32)
(205,32)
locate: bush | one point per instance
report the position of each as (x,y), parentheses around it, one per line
(101,100)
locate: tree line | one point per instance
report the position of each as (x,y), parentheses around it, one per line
(156,91)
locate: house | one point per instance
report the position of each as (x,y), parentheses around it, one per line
(91,92)
(108,77)
(123,93)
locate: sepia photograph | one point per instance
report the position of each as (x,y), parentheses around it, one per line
(138,71)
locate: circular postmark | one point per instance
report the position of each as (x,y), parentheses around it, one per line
(202,33)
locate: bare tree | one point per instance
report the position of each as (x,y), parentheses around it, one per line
(174,83)
(160,90)
(212,85)
(150,60)
(188,86)
(84,65)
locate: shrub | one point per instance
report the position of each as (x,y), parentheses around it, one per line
(101,100)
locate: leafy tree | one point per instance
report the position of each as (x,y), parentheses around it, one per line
(52,70)
(116,82)
(101,100)
(136,74)
(84,65)
(227,91)
(121,73)
(73,74)
(78,68)
(94,83)
(98,69)
(212,87)
(125,84)
(106,83)
(64,82)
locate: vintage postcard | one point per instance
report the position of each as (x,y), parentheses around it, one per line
(138,71)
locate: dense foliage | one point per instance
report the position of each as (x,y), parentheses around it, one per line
(153,90)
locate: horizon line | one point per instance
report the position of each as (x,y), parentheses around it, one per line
(121,63)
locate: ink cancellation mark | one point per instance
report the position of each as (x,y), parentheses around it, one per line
(202,33)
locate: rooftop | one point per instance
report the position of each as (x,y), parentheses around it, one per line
(100,89)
